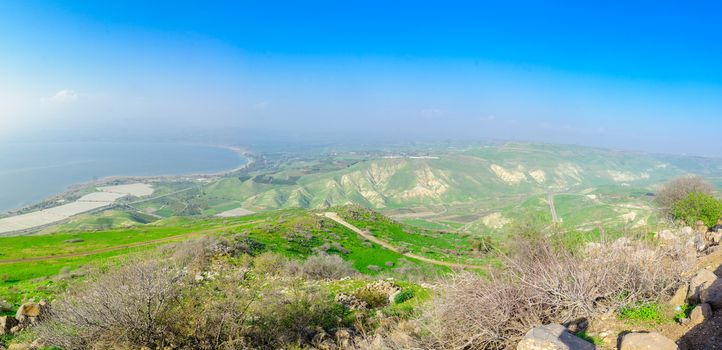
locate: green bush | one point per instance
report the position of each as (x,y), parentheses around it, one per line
(403,296)
(698,206)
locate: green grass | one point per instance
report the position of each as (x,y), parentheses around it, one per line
(294,233)
(650,312)
(596,340)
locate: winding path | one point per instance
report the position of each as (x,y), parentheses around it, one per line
(368,236)
(552,208)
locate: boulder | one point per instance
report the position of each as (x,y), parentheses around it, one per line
(30,313)
(712,294)
(552,337)
(680,296)
(700,282)
(6,324)
(646,341)
(687,231)
(700,314)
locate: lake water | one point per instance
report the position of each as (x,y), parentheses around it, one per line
(30,173)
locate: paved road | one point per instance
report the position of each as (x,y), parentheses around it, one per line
(364,234)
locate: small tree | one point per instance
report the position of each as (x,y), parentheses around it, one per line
(678,189)
(698,206)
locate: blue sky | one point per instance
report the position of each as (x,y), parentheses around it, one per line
(632,74)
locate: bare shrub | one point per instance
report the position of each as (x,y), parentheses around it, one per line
(240,303)
(128,306)
(323,266)
(270,263)
(678,189)
(543,284)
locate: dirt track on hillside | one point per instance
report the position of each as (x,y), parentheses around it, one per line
(338,219)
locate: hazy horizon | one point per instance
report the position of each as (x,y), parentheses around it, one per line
(640,77)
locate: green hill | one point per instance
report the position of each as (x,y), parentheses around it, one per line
(474,188)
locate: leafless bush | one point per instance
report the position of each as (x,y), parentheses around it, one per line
(126,306)
(320,267)
(679,189)
(159,303)
(544,284)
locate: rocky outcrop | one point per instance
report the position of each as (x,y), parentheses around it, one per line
(646,341)
(712,294)
(701,281)
(552,337)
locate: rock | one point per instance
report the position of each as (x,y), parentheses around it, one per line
(712,294)
(19,346)
(716,237)
(687,231)
(30,313)
(667,236)
(700,227)
(699,243)
(646,341)
(680,296)
(577,326)
(700,313)
(700,282)
(351,302)
(552,337)
(7,323)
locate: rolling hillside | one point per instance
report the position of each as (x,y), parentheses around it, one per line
(473,188)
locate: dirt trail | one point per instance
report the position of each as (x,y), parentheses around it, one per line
(121,247)
(364,234)
(552,208)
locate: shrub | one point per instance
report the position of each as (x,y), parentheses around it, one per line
(129,305)
(374,298)
(321,267)
(678,189)
(286,317)
(159,304)
(698,206)
(545,284)
(403,296)
(270,263)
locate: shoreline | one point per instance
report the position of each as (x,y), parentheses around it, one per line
(241,152)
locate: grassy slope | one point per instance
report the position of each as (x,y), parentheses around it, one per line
(295,233)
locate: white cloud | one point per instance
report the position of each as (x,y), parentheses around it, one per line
(65,96)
